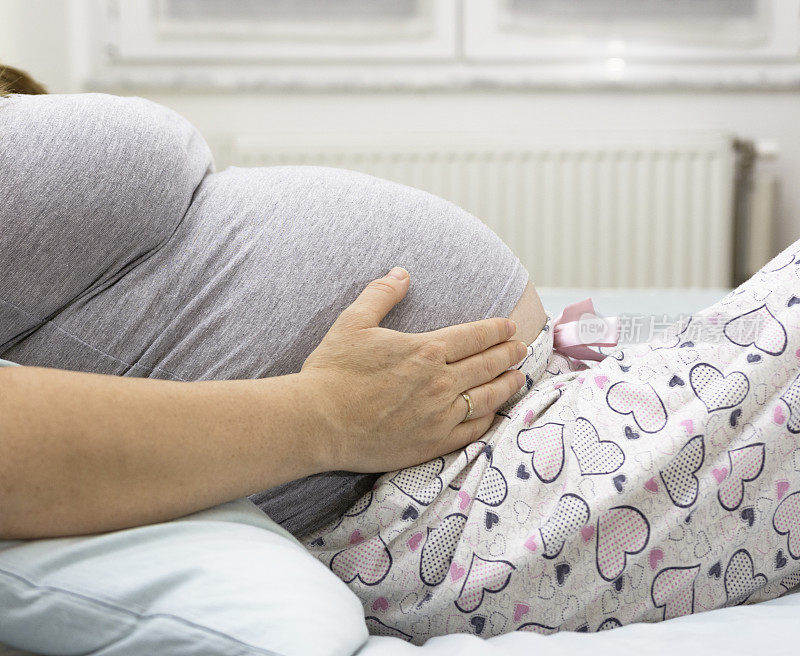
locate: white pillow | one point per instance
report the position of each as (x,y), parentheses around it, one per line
(227,580)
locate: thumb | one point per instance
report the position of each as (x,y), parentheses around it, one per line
(379,296)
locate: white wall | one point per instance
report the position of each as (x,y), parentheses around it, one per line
(34,35)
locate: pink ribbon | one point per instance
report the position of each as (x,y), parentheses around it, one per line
(577,328)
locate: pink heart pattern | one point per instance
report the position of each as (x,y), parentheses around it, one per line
(777,415)
(381,604)
(369,561)
(483,576)
(641,401)
(760,328)
(456,571)
(786,521)
(520,611)
(546,443)
(414,540)
(655,557)
(719,474)
(746,465)
(673,590)
(621,531)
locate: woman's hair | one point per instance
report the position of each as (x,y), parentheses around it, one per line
(13,80)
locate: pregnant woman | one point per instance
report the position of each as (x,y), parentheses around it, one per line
(122,253)
(660,482)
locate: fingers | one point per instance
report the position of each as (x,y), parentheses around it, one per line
(469,431)
(485,367)
(375,301)
(467,339)
(487,398)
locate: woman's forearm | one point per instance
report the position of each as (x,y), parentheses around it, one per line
(85,453)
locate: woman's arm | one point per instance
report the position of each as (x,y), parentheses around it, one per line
(84,453)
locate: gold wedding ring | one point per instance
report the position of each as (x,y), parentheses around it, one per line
(470,407)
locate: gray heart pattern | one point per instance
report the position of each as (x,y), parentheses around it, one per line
(440,546)
(360,506)
(740,579)
(493,488)
(421,483)
(792,399)
(715,390)
(571,513)
(546,442)
(758,328)
(595,456)
(680,476)
(746,464)
(792,581)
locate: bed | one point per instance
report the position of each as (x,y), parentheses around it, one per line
(771,627)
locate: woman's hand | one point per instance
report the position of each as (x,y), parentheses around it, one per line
(394,399)
(125,451)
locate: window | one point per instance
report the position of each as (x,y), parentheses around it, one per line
(282,19)
(702,23)
(540,30)
(421,44)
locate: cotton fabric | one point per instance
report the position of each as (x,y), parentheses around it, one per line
(122,252)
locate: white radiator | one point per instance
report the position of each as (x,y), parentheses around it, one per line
(580,209)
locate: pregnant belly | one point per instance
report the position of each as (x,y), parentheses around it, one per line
(263,263)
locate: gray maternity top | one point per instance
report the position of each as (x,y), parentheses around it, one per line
(123,252)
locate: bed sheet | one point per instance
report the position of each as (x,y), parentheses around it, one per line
(770,628)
